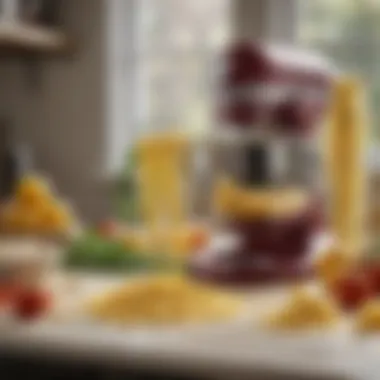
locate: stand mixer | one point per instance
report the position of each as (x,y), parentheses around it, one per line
(268,197)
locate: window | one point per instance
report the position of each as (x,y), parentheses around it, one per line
(178,46)
(162,56)
(347,31)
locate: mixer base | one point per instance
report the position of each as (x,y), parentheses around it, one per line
(242,270)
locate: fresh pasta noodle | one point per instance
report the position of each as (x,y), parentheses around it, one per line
(161,181)
(345,163)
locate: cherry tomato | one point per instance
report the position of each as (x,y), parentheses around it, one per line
(30,304)
(107,228)
(373,272)
(353,290)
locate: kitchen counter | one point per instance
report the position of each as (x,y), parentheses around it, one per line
(230,351)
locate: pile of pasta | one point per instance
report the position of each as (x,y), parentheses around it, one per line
(304,309)
(164,299)
(35,209)
(349,291)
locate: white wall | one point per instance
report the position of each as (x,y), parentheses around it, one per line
(63,117)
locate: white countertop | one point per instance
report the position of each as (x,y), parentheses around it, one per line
(237,349)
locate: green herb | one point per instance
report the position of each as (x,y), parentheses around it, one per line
(95,252)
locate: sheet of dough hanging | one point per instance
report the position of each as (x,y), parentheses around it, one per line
(162,182)
(346,133)
(232,200)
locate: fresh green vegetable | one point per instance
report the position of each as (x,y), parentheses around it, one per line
(93,251)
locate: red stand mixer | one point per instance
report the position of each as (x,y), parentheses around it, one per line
(269,202)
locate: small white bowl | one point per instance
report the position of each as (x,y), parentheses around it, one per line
(26,260)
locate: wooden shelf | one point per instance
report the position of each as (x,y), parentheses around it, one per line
(23,39)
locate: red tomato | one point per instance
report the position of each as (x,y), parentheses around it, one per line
(7,294)
(373,272)
(30,304)
(353,290)
(107,228)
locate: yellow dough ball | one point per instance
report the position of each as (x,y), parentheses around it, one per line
(33,190)
(55,218)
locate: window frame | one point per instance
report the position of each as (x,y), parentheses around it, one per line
(125,105)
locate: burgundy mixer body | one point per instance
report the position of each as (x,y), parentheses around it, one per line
(282,94)
(263,86)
